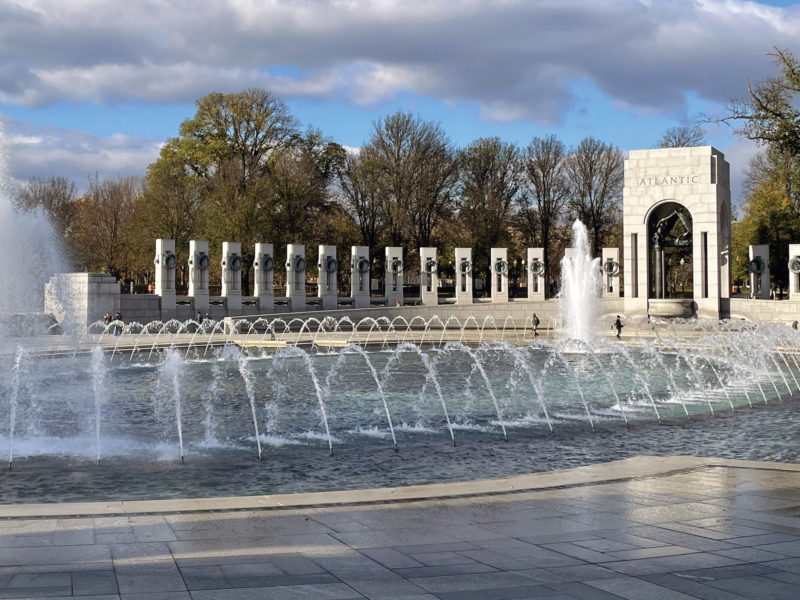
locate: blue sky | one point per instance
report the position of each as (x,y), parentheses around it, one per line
(83,90)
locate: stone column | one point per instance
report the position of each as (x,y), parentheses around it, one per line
(463,275)
(199,262)
(165,263)
(232,275)
(794,272)
(428,276)
(394,276)
(536,274)
(759,270)
(359,276)
(296,277)
(328,266)
(264,276)
(611,272)
(498,264)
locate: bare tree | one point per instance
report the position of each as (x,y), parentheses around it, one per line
(55,196)
(682,136)
(770,114)
(489,185)
(418,170)
(104,217)
(595,174)
(359,181)
(545,169)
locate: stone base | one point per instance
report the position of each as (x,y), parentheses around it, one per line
(671,308)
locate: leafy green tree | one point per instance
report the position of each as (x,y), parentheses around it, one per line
(769,218)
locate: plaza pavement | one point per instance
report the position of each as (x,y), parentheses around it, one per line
(663,528)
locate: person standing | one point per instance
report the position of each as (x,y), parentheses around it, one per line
(535,325)
(618,326)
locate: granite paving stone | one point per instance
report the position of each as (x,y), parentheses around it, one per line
(708,529)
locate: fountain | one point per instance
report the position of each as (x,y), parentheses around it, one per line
(31,254)
(580,288)
(178,408)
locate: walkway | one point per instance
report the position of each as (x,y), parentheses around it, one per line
(644,528)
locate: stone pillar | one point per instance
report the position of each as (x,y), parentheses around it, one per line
(428,276)
(464,275)
(199,262)
(611,272)
(394,276)
(759,270)
(359,276)
(296,277)
(327,289)
(264,277)
(658,182)
(536,274)
(498,264)
(232,275)
(794,272)
(165,263)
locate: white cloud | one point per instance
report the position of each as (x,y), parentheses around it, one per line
(512,57)
(35,151)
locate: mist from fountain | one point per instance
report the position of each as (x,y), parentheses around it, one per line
(31,253)
(580,288)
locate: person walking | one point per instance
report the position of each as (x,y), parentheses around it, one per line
(618,326)
(535,325)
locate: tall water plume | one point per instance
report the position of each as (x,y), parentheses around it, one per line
(580,287)
(30,249)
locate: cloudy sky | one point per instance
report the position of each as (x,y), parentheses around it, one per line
(97,85)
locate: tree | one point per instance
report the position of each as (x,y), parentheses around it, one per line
(489,186)
(56,196)
(245,127)
(221,161)
(360,186)
(682,136)
(299,180)
(769,218)
(544,162)
(103,223)
(418,170)
(595,175)
(770,114)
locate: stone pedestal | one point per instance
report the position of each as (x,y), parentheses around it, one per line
(165,264)
(394,276)
(428,277)
(296,277)
(759,271)
(611,272)
(79,299)
(359,276)
(498,263)
(199,262)
(464,275)
(327,287)
(794,272)
(536,274)
(264,276)
(232,275)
